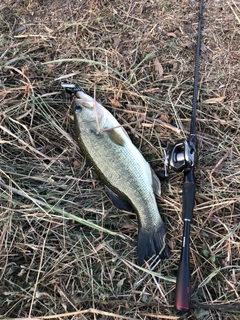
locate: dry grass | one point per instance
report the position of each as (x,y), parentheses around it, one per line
(66,252)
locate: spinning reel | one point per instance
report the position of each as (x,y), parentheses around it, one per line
(181,156)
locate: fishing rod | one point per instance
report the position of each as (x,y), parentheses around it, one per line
(182,157)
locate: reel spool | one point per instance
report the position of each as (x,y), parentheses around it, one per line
(180,157)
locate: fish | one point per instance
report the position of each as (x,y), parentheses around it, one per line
(129,181)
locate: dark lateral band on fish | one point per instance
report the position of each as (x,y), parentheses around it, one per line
(129,181)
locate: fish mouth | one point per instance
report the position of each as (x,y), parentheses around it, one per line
(82,100)
(81,103)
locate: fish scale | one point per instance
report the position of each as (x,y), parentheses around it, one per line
(134,186)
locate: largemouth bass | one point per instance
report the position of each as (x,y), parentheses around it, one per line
(128,178)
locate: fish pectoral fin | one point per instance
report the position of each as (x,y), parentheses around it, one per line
(152,243)
(120,203)
(161,175)
(156,184)
(115,137)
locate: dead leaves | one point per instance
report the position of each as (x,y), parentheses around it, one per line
(214,100)
(158,68)
(114,102)
(171,34)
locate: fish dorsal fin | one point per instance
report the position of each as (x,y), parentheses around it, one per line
(87,104)
(156,184)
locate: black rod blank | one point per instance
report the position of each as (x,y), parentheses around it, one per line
(183,288)
(195,87)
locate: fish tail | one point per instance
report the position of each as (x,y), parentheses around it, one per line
(152,243)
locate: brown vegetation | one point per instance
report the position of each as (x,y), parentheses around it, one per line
(65,251)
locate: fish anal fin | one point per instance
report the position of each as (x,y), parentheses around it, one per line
(120,203)
(152,243)
(156,184)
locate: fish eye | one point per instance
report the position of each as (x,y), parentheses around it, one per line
(78,108)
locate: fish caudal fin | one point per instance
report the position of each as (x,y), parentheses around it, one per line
(151,243)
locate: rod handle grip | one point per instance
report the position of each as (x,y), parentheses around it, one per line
(183,289)
(189,190)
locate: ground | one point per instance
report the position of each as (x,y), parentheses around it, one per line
(66,251)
